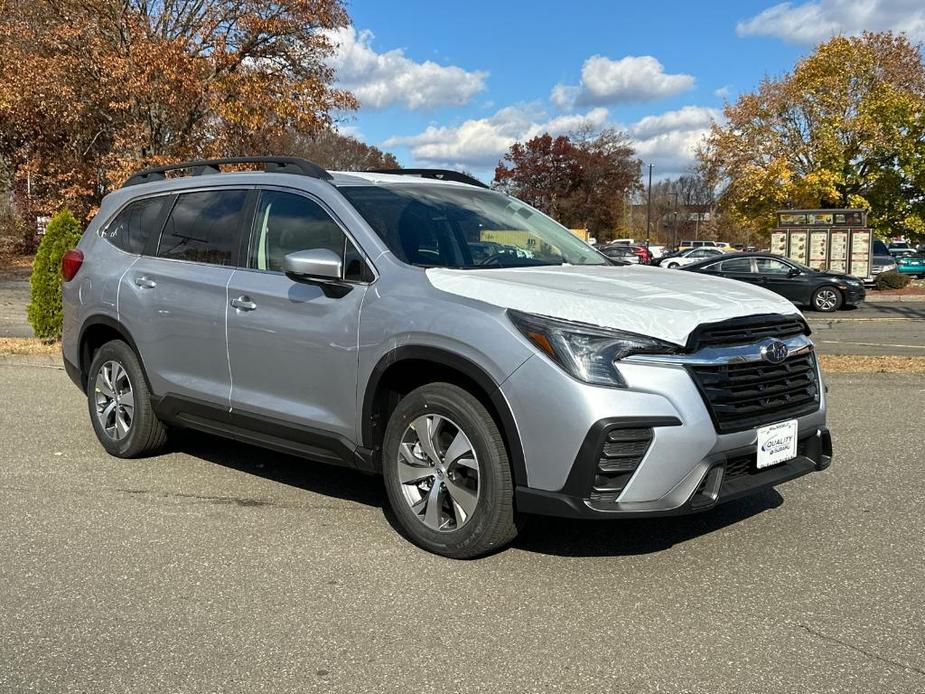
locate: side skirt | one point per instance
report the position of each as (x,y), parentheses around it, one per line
(266,432)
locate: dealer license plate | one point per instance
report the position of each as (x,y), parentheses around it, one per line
(777,443)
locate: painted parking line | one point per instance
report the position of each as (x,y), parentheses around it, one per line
(867,320)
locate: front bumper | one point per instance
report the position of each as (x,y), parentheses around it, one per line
(726,476)
(662,422)
(855,294)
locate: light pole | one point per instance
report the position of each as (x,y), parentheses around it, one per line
(649,207)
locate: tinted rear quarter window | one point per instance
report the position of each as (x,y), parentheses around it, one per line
(136,222)
(204,227)
(737,265)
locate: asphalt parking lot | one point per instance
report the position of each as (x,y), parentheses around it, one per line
(871,329)
(14,297)
(221,568)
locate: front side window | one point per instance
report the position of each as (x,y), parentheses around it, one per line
(133,226)
(204,227)
(286,223)
(770,266)
(465,227)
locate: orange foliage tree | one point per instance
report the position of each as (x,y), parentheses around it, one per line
(91,90)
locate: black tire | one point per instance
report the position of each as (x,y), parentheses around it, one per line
(827,299)
(672,266)
(493,523)
(145,432)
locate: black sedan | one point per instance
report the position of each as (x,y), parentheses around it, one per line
(823,291)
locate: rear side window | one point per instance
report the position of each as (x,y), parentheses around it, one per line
(133,226)
(737,265)
(204,227)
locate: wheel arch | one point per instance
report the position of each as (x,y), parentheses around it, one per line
(96,331)
(410,366)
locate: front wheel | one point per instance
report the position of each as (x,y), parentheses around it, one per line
(672,266)
(827,299)
(447,473)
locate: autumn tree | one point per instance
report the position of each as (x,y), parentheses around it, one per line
(582,180)
(337,152)
(543,172)
(846,128)
(91,90)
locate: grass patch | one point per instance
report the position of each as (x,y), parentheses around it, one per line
(29,346)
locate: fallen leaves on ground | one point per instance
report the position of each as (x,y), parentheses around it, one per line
(28,345)
(855,363)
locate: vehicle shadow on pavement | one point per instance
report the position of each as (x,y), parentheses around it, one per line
(603,538)
(541,535)
(318,478)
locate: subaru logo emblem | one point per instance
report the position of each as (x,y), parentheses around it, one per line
(774,351)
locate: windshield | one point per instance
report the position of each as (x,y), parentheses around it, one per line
(443,226)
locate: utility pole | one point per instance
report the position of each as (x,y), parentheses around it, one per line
(676,240)
(649,207)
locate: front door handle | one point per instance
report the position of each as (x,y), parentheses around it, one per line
(145,282)
(243,303)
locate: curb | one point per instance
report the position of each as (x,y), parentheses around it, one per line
(45,360)
(894,298)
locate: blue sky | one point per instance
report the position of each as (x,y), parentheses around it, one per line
(443,84)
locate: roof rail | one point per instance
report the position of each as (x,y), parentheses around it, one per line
(292,165)
(438,174)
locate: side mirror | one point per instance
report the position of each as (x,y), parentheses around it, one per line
(794,272)
(315,264)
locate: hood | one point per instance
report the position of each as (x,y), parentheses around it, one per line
(665,304)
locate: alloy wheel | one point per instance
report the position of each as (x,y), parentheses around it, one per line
(826,299)
(115,400)
(439,472)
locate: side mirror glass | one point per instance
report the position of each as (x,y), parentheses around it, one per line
(314,264)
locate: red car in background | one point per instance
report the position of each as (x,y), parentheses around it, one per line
(645,257)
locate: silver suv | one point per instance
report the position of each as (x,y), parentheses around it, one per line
(414,324)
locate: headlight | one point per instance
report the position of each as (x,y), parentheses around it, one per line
(585,351)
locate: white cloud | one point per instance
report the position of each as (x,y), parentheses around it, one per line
(817,20)
(723,92)
(669,140)
(380,80)
(631,79)
(480,143)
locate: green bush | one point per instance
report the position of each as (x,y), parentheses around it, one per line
(891,280)
(44,312)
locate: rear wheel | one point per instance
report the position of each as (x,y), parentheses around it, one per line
(827,299)
(447,474)
(120,403)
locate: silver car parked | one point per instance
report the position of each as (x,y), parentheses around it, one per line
(364,320)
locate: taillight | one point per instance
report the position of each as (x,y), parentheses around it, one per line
(70,264)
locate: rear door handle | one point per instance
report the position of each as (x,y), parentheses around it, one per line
(145,282)
(243,303)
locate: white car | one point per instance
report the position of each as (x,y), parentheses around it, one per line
(690,256)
